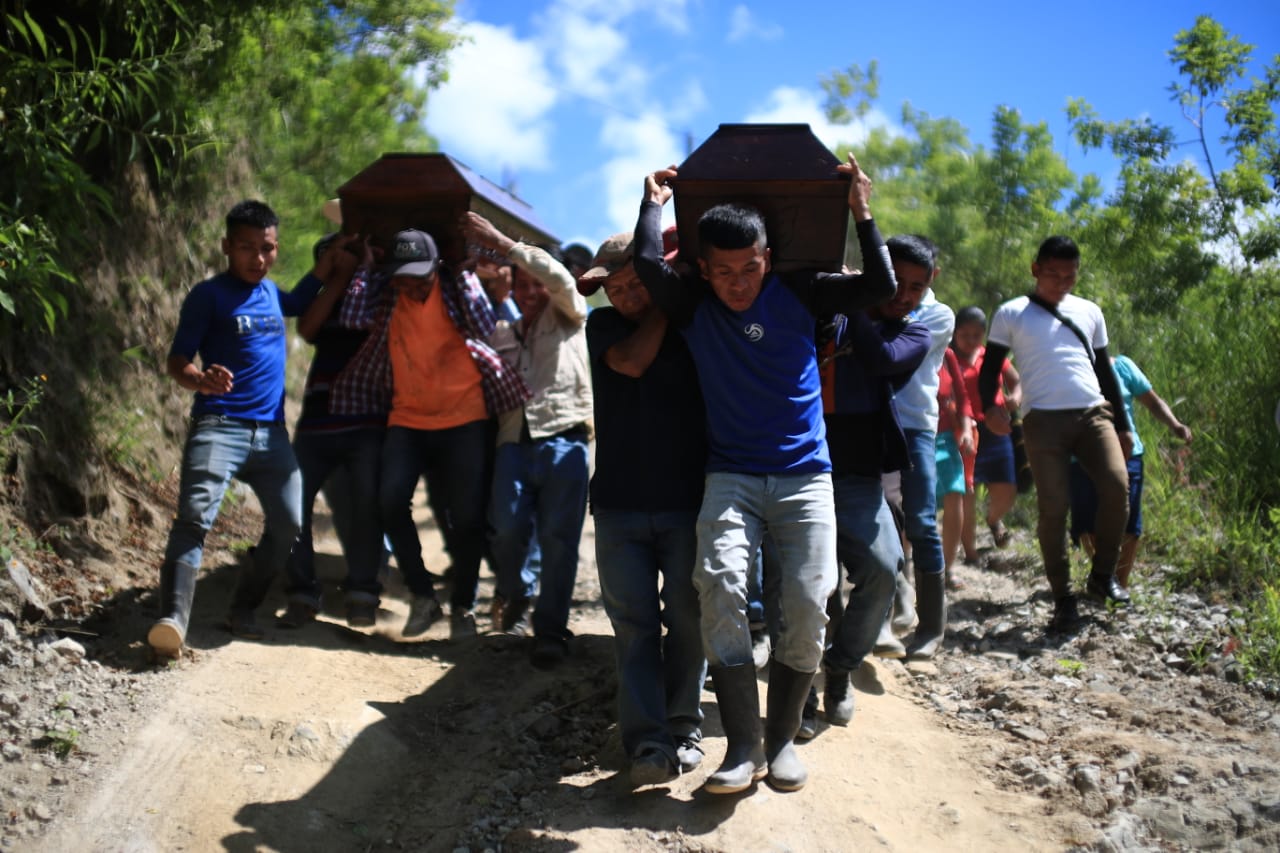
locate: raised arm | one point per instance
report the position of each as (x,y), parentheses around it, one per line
(676,297)
(335,268)
(559,282)
(847,293)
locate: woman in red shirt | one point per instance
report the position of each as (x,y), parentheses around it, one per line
(993,465)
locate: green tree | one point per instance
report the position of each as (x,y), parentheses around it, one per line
(308,95)
(1213,91)
(986,209)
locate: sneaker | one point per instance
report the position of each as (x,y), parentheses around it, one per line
(424,610)
(1066,615)
(244,625)
(761,649)
(462,625)
(688,752)
(809,717)
(362,614)
(298,614)
(652,767)
(548,652)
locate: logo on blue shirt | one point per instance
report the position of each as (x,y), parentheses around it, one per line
(753,331)
(258,324)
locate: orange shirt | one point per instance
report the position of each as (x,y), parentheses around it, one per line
(435,383)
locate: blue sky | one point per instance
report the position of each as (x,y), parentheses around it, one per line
(572,102)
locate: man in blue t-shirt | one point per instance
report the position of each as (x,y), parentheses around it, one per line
(751,334)
(234,323)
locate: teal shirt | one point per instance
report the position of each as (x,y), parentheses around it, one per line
(1133,383)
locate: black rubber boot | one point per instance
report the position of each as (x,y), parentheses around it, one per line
(931,605)
(837,697)
(253,584)
(739,701)
(177,591)
(788,690)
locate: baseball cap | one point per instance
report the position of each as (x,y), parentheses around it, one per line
(413,253)
(614,254)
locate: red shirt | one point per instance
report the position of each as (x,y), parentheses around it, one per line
(971,383)
(953,396)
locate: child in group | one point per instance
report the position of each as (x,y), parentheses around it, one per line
(954,451)
(993,466)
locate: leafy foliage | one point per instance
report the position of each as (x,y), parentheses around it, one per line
(1184,259)
(77,101)
(310,94)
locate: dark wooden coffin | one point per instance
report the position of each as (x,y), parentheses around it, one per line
(784,171)
(431,192)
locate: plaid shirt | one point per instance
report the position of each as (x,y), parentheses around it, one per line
(364,385)
(472,316)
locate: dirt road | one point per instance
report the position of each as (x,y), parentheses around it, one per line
(330,739)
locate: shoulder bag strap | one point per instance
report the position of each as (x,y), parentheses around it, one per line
(1079,333)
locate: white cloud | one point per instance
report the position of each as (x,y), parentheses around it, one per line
(637,146)
(492,112)
(670,14)
(787,104)
(591,56)
(744,25)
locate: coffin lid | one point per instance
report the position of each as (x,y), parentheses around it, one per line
(784,171)
(431,191)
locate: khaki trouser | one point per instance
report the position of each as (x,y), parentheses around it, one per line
(1052,437)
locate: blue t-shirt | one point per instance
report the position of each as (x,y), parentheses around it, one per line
(1133,383)
(758,368)
(227,321)
(764,409)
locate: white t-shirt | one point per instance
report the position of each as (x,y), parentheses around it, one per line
(917,401)
(1054,366)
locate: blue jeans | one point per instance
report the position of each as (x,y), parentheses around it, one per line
(920,504)
(355,456)
(258,454)
(539,484)
(452,460)
(798,512)
(870,550)
(659,675)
